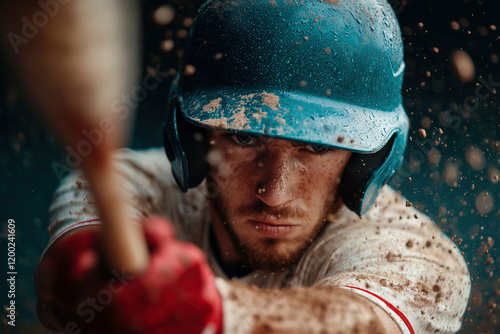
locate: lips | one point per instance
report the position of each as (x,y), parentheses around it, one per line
(272,229)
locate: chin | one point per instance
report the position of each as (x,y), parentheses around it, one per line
(273,254)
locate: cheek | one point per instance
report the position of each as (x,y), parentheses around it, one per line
(234,178)
(321,181)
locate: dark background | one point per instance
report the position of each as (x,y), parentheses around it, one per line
(430,92)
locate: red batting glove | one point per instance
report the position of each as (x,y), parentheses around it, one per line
(176,293)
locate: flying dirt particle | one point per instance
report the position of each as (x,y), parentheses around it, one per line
(484,202)
(434,156)
(189,70)
(167,45)
(409,244)
(435,50)
(187,22)
(218,56)
(408,203)
(303,83)
(464,22)
(422,133)
(474,156)
(407,30)
(440,131)
(454,25)
(426,122)
(493,27)
(163,15)
(493,175)
(328,92)
(428,74)
(214,157)
(327,51)
(494,58)
(409,179)
(483,31)
(340,139)
(462,66)
(450,173)
(182,33)
(489,261)
(306,38)
(420,25)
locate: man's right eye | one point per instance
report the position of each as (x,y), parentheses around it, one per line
(244,140)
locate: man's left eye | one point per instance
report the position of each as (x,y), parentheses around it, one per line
(243,139)
(316,149)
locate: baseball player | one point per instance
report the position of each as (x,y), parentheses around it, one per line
(269,212)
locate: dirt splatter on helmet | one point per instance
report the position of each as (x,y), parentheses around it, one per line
(326,73)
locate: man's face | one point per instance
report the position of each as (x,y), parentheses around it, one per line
(273,196)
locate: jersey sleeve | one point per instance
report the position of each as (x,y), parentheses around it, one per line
(396,257)
(146,178)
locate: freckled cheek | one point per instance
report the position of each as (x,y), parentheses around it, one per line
(309,184)
(319,184)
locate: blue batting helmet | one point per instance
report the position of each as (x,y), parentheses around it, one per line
(325,72)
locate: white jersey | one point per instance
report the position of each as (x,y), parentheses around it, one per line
(394,255)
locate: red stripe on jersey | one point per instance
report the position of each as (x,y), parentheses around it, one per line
(392,307)
(70,227)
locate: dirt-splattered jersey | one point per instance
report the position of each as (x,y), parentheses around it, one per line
(394,255)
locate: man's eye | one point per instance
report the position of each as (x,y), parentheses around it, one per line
(244,140)
(316,149)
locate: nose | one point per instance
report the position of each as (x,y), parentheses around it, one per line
(276,184)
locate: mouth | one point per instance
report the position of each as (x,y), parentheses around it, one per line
(273,229)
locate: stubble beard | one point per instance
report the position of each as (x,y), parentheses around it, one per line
(266,255)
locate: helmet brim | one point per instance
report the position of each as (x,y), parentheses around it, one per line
(290,116)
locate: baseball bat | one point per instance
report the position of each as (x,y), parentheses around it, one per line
(75,57)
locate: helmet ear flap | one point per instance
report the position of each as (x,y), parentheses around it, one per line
(186,146)
(359,172)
